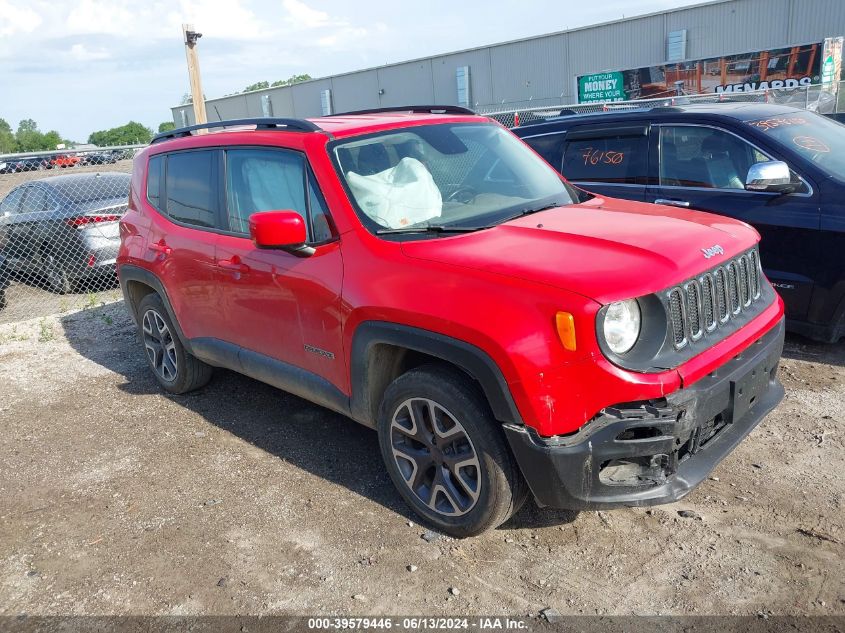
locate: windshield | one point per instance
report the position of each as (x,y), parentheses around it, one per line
(817,138)
(467,175)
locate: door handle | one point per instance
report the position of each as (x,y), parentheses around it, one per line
(160,247)
(234,264)
(672,203)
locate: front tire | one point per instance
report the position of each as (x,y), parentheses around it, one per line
(445,452)
(175,369)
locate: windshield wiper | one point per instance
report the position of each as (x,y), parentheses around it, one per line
(529,211)
(431,228)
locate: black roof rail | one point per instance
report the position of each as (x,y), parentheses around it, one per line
(417,109)
(263,123)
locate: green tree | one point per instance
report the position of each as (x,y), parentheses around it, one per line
(29,138)
(166,126)
(52,139)
(8,144)
(292,80)
(128,134)
(27,125)
(261,85)
(257,86)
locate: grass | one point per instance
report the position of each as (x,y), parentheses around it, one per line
(45,331)
(14,335)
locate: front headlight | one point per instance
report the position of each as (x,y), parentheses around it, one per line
(622,323)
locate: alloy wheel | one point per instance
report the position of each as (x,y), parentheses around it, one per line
(435,456)
(57,278)
(160,346)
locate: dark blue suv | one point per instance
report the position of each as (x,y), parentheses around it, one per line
(778,168)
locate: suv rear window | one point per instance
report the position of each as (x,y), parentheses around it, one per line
(612,160)
(190,191)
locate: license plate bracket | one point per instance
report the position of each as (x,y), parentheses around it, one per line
(746,390)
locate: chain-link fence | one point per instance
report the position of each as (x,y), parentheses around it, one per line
(815,98)
(59,238)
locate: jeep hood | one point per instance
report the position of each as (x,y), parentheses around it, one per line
(604,249)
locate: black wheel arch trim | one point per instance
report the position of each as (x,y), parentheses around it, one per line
(127,273)
(471,359)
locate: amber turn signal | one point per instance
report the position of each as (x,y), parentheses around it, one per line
(565,324)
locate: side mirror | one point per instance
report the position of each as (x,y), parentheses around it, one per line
(773,176)
(284,230)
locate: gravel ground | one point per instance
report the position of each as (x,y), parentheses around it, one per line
(240,499)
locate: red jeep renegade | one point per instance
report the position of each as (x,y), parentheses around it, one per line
(425,273)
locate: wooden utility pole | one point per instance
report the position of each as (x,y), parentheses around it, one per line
(190,37)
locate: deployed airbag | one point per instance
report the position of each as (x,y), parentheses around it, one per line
(400,196)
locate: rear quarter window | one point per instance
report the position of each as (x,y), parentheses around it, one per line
(154,169)
(620,160)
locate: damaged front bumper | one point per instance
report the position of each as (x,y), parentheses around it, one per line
(648,453)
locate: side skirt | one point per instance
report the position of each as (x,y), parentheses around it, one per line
(276,373)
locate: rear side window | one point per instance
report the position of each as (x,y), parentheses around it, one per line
(154,181)
(35,201)
(191,188)
(550,147)
(12,203)
(610,159)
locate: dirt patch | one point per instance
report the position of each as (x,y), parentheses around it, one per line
(118,499)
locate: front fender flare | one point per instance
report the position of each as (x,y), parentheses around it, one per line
(471,359)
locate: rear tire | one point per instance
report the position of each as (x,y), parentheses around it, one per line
(175,369)
(446,453)
(57,278)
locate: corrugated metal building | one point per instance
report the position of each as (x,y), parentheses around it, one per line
(543,70)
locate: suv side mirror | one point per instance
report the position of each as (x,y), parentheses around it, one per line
(283,230)
(773,175)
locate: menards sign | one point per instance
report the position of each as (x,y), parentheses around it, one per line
(775,84)
(775,69)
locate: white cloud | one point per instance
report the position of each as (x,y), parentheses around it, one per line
(96,16)
(224,19)
(81,53)
(14,19)
(302,15)
(341,37)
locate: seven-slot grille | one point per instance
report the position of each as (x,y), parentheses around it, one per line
(712,299)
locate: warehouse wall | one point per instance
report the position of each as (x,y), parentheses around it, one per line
(542,70)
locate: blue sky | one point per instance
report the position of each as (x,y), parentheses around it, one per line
(87,65)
